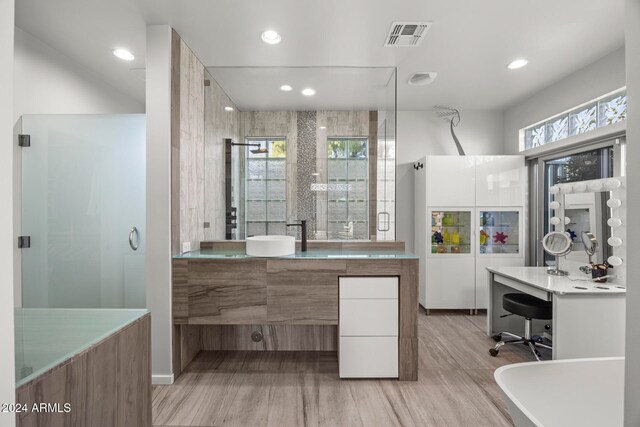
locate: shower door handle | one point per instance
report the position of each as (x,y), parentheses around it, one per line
(133,246)
(386,221)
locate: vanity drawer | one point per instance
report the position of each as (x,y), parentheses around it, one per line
(368,357)
(368,287)
(368,317)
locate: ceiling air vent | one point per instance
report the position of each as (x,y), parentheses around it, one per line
(422,78)
(407,34)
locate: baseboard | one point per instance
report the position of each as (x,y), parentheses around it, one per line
(162,379)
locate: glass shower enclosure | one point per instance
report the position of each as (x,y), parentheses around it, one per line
(83,211)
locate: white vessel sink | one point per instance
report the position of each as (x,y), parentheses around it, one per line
(271,246)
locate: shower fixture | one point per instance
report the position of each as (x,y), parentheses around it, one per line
(259,150)
(451,115)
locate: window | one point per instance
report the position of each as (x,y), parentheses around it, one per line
(601,112)
(348,188)
(266,186)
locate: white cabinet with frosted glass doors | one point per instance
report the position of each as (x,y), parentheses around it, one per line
(469,216)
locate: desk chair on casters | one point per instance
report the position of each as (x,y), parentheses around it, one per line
(530,308)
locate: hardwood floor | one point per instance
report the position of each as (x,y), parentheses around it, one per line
(259,388)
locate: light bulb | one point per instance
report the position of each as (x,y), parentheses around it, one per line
(612,184)
(595,186)
(554,205)
(567,220)
(615,261)
(555,220)
(567,188)
(580,187)
(554,189)
(614,241)
(614,222)
(614,203)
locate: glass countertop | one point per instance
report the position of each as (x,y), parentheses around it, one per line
(311,254)
(46,337)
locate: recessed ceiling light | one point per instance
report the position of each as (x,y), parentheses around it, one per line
(271,37)
(228,108)
(323,127)
(286,88)
(124,54)
(518,63)
(308,92)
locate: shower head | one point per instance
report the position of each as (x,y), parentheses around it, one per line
(260,150)
(448,113)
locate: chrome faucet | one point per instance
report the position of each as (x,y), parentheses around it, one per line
(303,227)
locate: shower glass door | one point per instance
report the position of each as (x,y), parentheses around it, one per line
(83,192)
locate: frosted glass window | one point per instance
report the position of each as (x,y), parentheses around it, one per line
(348,188)
(266,186)
(584,120)
(601,112)
(613,110)
(558,129)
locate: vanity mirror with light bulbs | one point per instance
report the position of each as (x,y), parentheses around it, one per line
(593,216)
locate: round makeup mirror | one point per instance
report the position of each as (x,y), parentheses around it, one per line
(558,244)
(590,244)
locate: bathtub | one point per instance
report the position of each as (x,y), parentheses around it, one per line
(564,393)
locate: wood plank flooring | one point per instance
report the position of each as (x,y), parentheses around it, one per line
(244,388)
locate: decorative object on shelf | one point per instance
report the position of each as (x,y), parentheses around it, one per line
(455,238)
(447,220)
(437,237)
(442,249)
(500,237)
(572,234)
(455,249)
(446,237)
(452,116)
(418,165)
(483,237)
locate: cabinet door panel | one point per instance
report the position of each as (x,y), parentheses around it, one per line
(500,181)
(369,287)
(451,181)
(368,357)
(368,317)
(450,283)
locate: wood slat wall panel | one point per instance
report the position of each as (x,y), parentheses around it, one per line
(227,291)
(276,337)
(180,290)
(108,384)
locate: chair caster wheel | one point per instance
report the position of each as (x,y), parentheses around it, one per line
(493,352)
(497,337)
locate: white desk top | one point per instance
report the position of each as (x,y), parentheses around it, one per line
(560,285)
(573,392)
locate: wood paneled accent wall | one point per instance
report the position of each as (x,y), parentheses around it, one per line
(109,384)
(187,146)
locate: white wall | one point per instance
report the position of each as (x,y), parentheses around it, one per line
(159,199)
(47,82)
(632,374)
(7,356)
(422,133)
(596,79)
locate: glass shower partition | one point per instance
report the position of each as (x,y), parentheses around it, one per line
(83,208)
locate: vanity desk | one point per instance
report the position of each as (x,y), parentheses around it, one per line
(588,317)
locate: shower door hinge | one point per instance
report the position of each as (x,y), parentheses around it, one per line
(24,242)
(24,140)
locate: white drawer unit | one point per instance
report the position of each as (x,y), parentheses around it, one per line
(368,327)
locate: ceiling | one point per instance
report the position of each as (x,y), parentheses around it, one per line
(469,44)
(258,88)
